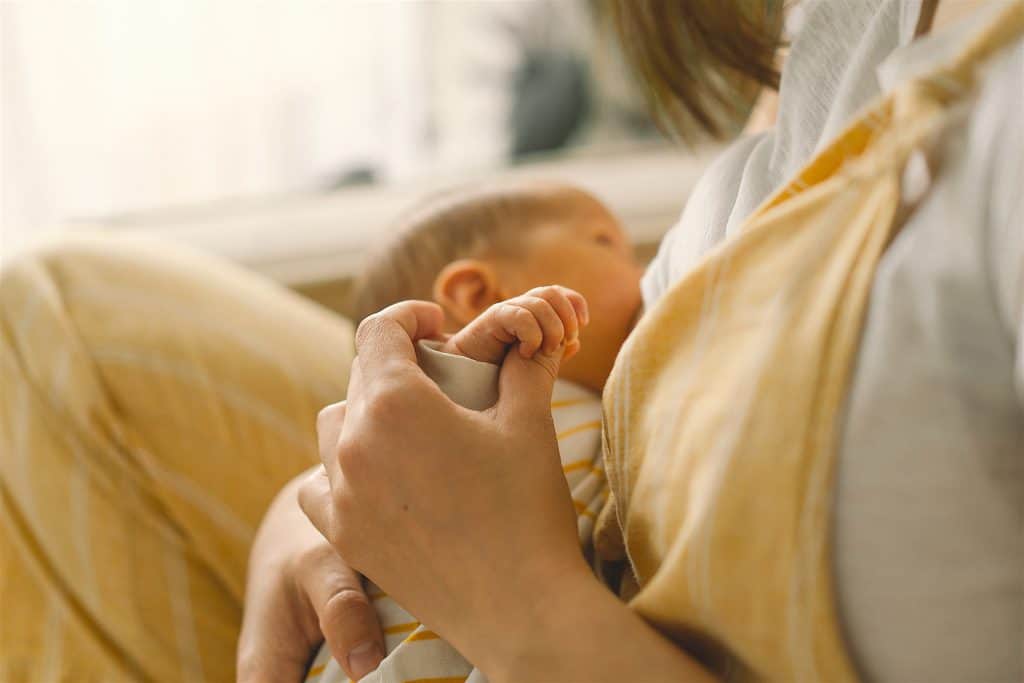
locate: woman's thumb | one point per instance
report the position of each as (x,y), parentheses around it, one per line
(525,384)
(346,615)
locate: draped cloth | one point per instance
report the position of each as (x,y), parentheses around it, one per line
(723,409)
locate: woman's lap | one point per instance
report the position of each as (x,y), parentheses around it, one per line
(154,401)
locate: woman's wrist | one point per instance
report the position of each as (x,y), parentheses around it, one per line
(528,634)
(578,630)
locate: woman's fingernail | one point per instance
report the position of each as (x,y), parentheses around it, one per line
(363,659)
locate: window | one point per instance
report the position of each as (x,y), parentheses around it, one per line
(114,107)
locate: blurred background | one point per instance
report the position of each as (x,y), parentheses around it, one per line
(286,134)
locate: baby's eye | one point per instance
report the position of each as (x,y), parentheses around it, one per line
(604,240)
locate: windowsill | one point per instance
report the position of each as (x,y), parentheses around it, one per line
(304,240)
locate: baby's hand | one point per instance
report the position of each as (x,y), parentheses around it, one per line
(543,318)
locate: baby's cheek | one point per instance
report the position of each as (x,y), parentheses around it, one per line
(619,303)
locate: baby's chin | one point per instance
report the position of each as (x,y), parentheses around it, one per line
(589,368)
(636,318)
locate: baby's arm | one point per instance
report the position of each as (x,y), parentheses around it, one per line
(545,317)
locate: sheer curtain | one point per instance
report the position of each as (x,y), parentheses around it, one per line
(111,107)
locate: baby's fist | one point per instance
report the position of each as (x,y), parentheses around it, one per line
(541,320)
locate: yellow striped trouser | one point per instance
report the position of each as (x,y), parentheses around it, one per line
(153,402)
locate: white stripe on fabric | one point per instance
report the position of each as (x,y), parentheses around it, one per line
(27,316)
(52,656)
(179,595)
(59,380)
(624,406)
(79,499)
(145,303)
(234,397)
(20,440)
(218,513)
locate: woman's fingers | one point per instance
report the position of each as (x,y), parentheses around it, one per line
(272,645)
(298,592)
(347,618)
(315,501)
(525,386)
(385,337)
(329,422)
(527,379)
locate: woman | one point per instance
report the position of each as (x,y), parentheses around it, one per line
(927,502)
(927,549)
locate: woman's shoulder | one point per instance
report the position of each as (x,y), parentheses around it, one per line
(831,72)
(704,219)
(829,75)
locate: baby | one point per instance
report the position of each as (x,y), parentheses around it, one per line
(488,256)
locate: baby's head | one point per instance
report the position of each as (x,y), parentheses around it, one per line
(470,248)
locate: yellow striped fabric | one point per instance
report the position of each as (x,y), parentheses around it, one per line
(416,654)
(723,407)
(153,402)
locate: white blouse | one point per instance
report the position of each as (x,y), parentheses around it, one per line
(929,504)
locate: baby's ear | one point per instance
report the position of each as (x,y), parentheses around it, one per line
(465,289)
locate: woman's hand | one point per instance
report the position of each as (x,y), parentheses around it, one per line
(465,517)
(299,591)
(469,512)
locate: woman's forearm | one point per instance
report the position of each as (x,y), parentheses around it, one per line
(284,538)
(580,631)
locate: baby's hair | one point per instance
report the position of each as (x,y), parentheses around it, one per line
(472,221)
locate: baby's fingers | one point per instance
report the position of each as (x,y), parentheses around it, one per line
(568,304)
(579,305)
(539,328)
(571,349)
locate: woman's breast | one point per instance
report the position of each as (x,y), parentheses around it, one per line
(929,503)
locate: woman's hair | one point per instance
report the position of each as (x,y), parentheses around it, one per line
(702,61)
(470,222)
